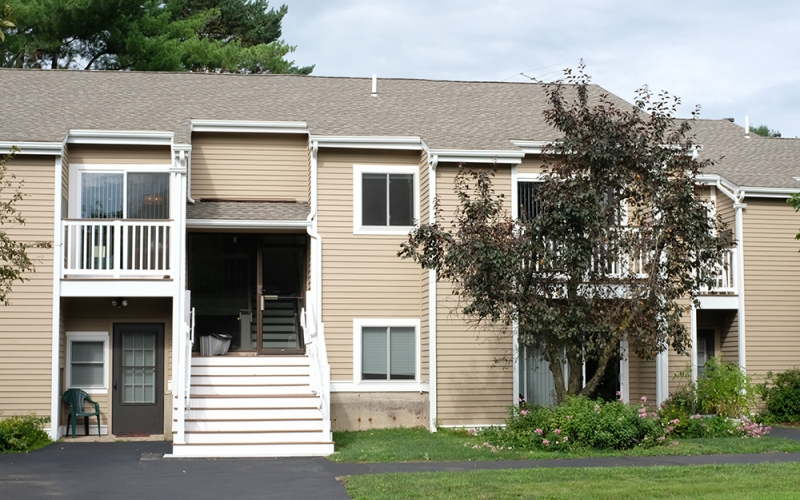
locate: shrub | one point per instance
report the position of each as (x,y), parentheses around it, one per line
(579,422)
(781,394)
(678,408)
(22,433)
(724,389)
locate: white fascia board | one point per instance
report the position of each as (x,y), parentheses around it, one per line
(478,156)
(253,127)
(379,386)
(369,142)
(33,148)
(532,147)
(124,137)
(246,224)
(729,302)
(116,288)
(764,192)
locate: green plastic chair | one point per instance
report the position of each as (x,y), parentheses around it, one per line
(76,398)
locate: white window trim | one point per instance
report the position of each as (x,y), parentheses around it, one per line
(88,337)
(385,385)
(358,171)
(75,178)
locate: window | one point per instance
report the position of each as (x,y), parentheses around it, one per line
(386,350)
(124,195)
(384,199)
(528,195)
(87,361)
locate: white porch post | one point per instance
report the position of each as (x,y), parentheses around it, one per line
(58,263)
(624,372)
(662,376)
(739,207)
(177,255)
(693,336)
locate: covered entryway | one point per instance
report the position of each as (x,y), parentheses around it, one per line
(137,398)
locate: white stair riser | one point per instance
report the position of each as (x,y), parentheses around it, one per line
(254,425)
(249,371)
(253,437)
(250,380)
(245,414)
(252,451)
(201,402)
(249,360)
(251,390)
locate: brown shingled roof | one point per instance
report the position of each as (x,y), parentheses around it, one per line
(248,210)
(44,105)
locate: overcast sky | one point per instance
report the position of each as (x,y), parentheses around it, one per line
(733,57)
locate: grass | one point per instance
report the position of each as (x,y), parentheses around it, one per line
(419,445)
(762,481)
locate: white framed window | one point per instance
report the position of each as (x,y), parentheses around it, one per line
(385,199)
(386,352)
(119,192)
(87,361)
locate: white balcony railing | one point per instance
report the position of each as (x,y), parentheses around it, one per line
(724,274)
(117,248)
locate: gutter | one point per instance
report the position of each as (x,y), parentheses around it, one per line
(433,161)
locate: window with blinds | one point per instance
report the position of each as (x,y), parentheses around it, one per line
(388,353)
(528,196)
(125,195)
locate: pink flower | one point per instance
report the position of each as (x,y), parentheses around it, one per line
(619,393)
(538,431)
(524,413)
(644,399)
(557,431)
(597,408)
(471,432)
(545,442)
(569,417)
(566,438)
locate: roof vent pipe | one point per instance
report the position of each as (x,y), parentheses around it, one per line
(747,126)
(374,86)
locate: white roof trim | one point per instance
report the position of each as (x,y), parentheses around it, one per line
(127,137)
(246,224)
(33,148)
(764,192)
(369,142)
(478,156)
(531,147)
(249,126)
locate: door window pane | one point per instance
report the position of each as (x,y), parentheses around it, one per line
(373,200)
(148,196)
(138,367)
(101,195)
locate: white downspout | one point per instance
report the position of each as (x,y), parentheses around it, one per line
(739,206)
(186,159)
(58,262)
(316,239)
(693,336)
(432,359)
(515,349)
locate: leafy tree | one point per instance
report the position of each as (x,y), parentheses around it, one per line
(620,239)
(794,200)
(6,21)
(14,260)
(170,35)
(765,131)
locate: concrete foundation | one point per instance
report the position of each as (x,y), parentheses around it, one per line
(353,411)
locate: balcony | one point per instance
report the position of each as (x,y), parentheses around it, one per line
(724,275)
(117,249)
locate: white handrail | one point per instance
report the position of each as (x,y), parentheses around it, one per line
(117,248)
(320,370)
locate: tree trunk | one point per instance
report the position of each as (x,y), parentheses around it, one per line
(602,364)
(558,374)
(54,64)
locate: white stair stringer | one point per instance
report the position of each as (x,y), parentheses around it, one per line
(253,406)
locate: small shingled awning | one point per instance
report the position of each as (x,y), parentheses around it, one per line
(247,210)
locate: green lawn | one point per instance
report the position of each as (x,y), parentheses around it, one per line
(763,481)
(418,445)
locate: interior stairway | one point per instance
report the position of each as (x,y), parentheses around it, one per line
(253,406)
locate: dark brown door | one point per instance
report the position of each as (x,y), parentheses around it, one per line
(138,389)
(281,281)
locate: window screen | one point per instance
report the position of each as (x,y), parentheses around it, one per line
(87,364)
(388,353)
(387,199)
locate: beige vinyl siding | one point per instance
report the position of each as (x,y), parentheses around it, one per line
(474,372)
(771,277)
(116,154)
(98,315)
(729,340)
(680,362)
(424,218)
(250,166)
(530,165)
(726,212)
(362,277)
(26,325)
(641,378)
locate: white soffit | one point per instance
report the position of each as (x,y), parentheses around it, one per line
(531,147)
(120,137)
(252,127)
(246,224)
(369,142)
(478,156)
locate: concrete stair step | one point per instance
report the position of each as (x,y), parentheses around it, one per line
(250,361)
(272,425)
(260,436)
(256,401)
(252,370)
(235,414)
(216,379)
(251,390)
(252,450)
